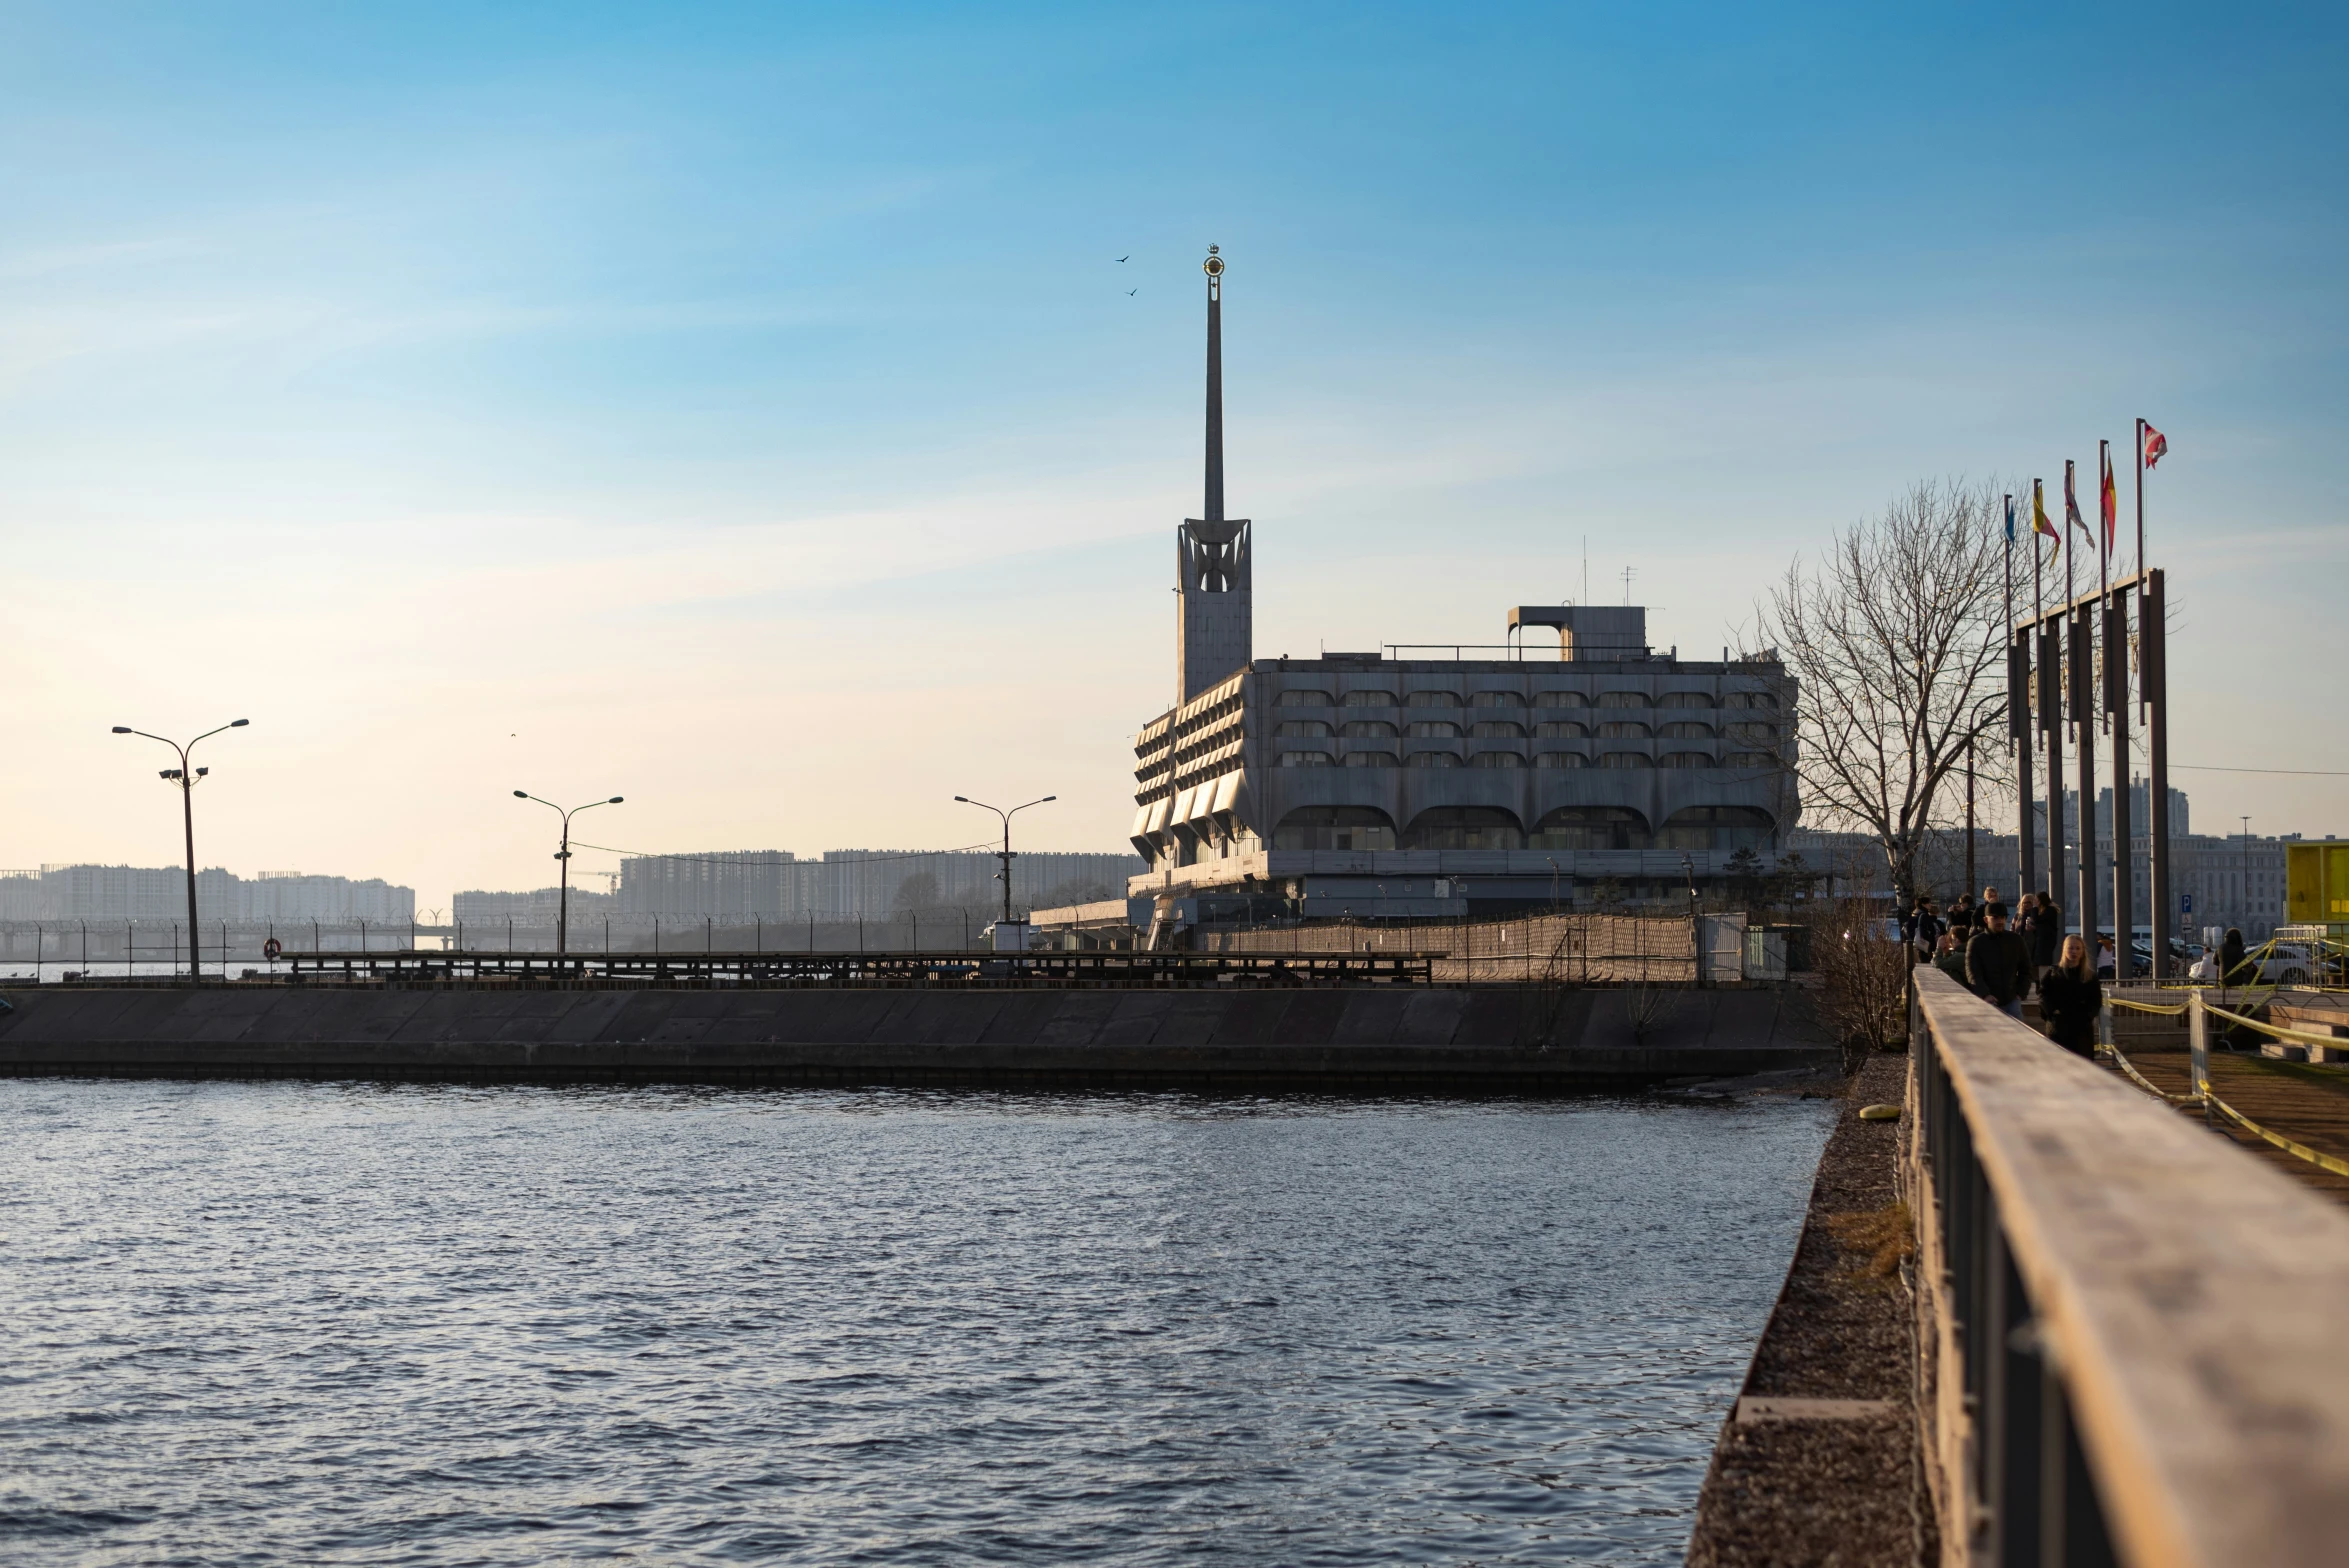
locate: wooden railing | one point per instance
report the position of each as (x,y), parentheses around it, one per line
(2131,1334)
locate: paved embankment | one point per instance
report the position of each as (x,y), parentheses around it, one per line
(1818,1462)
(1393,1037)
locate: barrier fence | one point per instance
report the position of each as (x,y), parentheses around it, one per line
(2197,1010)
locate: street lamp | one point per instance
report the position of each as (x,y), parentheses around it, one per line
(563,902)
(1005,853)
(185,777)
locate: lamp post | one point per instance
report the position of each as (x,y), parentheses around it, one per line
(185,777)
(1005,853)
(563,900)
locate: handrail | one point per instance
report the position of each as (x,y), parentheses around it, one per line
(2126,1314)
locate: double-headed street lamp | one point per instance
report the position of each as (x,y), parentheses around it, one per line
(185,777)
(563,854)
(1005,853)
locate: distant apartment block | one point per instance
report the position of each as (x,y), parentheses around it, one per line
(92,892)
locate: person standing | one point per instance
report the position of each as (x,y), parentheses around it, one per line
(2232,971)
(1962,915)
(1950,958)
(2071,1000)
(1998,964)
(2047,931)
(1925,931)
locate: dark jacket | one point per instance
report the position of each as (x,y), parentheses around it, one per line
(2046,935)
(1953,964)
(2232,969)
(1998,967)
(2069,1004)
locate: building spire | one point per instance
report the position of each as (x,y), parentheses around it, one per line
(1213,267)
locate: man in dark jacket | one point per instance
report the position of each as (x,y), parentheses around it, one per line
(1998,964)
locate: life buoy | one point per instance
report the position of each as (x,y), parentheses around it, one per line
(271,948)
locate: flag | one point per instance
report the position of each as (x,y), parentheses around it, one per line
(2112,503)
(2039,522)
(2072,517)
(2157,445)
(2010,519)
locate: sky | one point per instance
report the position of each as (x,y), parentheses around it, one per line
(745,410)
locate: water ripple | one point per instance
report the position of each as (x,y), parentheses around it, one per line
(277,1323)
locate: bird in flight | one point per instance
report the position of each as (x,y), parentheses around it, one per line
(1130,293)
(1127,257)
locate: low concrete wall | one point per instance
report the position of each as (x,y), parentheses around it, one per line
(1391,1037)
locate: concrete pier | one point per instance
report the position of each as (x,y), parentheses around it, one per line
(1376,1039)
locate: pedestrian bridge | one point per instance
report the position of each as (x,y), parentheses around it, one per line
(2130,1333)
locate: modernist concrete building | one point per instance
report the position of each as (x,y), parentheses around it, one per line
(1364,784)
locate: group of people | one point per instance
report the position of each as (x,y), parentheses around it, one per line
(2003,958)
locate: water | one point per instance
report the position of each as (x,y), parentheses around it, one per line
(299,1324)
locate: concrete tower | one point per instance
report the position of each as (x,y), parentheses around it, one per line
(1214,614)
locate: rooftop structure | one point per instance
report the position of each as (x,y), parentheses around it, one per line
(1370,784)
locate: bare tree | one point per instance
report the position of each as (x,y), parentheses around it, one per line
(1897,637)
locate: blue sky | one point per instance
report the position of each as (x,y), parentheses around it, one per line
(741,408)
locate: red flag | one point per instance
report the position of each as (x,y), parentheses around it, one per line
(2112,505)
(2157,445)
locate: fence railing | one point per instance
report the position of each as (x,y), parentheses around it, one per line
(2126,1325)
(1529,949)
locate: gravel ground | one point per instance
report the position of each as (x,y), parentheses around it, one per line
(1842,1492)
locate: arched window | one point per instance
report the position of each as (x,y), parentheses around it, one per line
(1294,728)
(1560,699)
(1433,699)
(1564,729)
(1561,759)
(1307,759)
(1496,699)
(1591,827)
(1304,699)
(1751,759)
(1766,734)
(1626,759)
(1623,729)
(1372,759)
(1685,759)
(1497,729)
(1686,730)
(1369,729)
(1435,759)
(1370,699)
(1435,729)
(1496,759)
(1624,699)
(1749,699)
(1717,827)
(1686,699)
(1465,827)
(1335,827)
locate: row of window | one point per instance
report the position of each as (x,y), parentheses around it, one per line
(1504,729)
(1306,697)
(1728,828)
(1516,759)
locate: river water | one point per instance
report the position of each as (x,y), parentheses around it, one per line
(289,1323)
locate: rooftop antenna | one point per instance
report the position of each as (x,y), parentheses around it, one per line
(1586,568)
(1627,575)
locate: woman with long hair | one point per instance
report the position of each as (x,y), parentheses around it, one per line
(2071,1000)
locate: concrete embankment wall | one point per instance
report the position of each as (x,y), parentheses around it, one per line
(1390,1037)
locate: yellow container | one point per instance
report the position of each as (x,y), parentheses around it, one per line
(2316,884)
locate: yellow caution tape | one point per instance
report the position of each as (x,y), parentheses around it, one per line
(2296,1036)
(2325,1161)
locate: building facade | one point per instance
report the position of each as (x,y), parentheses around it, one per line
(93,892)
(1369,785)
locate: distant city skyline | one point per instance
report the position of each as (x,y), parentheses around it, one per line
(747,413)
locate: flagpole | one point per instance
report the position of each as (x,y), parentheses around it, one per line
(2018,726)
